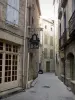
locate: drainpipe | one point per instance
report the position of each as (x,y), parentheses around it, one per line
(24,50)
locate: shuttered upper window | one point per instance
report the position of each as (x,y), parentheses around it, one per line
(13,11)
(45,52)
(51,40)
(51,54)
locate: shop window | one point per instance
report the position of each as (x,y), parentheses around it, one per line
(10,59)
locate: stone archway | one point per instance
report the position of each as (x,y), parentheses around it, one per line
(70,67)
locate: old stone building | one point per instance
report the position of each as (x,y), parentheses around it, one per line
(16,17)
(66,16)
(33,28)
(47,46)
(57,67)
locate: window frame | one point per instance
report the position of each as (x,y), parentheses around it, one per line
(9,63)
(14,20)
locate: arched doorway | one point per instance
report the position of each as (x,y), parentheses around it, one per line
(70,58)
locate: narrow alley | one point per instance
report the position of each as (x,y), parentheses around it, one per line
(47,87)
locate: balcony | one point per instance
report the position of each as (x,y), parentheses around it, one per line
(59,11)
(63,40)
(63,3)
(72,25)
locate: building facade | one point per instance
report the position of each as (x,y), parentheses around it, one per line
(57,67)
(33,28)
(66,15)
(47,46)
(14,22)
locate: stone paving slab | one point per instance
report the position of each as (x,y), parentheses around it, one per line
(47,87)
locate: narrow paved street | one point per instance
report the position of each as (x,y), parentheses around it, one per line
(47,87)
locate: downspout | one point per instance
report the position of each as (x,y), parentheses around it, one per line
(24,49)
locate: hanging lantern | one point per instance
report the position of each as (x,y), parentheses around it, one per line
(34,42)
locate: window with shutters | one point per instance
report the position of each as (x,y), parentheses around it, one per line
(51,40)
(45,26)
(45,52)
(51,28)
(45,39)
(13,12)
(51,54)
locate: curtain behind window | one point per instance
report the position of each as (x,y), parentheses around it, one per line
(13,11)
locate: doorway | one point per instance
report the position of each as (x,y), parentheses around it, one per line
(48,66)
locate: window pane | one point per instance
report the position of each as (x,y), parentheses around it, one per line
(0,74)
(6,74)
(15,72)
(6,62)
(0,68)
(9,67)
(6,68)
(9,79)
(1,46)
(9,73)
(1,56)
(6,56)
(0,62)
(6,79)
(15,77)
(8,47)
(9,62)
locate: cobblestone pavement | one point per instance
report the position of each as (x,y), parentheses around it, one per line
(47,87)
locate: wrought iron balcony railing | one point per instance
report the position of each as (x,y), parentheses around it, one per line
(72,25)
(62,40)
(63,3)
(59,12)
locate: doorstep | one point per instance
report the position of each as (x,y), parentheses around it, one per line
(10,92)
